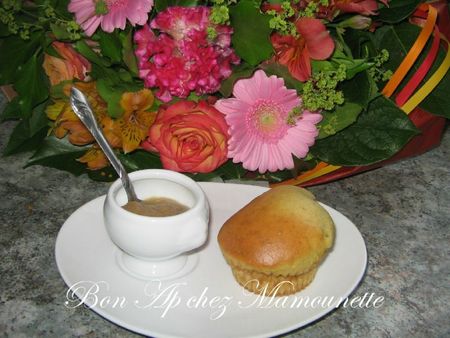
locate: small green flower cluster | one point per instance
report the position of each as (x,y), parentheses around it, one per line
(281,21)
(319,93)
(7,15)
(377,72)
(294,115)
(13,14)
(219,15)
(312,8)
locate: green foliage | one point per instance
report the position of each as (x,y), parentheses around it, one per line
(397,40)
(251,32)
(31,85)
(59,154)
(380,132)
(161,5)
(398,10)
(14,53)
(28,133)
(338,119)
(110,45)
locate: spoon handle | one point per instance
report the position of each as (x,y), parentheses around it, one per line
(83,110)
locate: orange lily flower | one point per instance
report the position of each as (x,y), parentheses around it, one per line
(135,122)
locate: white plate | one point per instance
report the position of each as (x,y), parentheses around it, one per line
(207,302)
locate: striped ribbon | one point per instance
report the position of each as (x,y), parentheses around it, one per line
(404,99)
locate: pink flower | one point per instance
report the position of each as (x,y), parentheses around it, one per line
(314,43)
(110,14)
(182,58)
(365,7)
(261,137)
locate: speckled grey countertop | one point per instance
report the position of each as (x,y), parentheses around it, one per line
(402,211)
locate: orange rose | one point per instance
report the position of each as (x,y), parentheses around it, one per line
(190,137)
(70,65)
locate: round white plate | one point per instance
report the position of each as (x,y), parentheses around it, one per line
(207,302)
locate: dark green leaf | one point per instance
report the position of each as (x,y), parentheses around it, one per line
(358,42)
(129,58)
(12,110)
(112,97)
(107,174)
(14,53)
(251,32)
(340,118)
(359,90)
(4,31)
(230,170)
(110,45)
(31,85)
(112,92)
(398,40)
(161,5)
(398,10)
(139,160)
(283,72)
(29,132)
(82,47)
(59,31)
(240,72)
(379,133)
(59,154)
(22,140)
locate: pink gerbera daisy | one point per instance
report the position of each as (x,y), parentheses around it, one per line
(110,14)
(259,117)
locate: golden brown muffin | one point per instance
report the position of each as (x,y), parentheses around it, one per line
(279,238)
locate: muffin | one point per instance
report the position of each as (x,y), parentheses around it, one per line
(276,242)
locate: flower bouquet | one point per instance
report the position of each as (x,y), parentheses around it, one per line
(299,91)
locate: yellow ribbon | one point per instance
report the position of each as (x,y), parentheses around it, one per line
(432,82)
(323,168)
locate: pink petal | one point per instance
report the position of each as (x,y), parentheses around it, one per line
(318,41)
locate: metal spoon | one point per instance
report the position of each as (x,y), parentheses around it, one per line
(83,110)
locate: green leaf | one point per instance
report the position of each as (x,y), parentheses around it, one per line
(140,159)
(161,5)
(59,154)
(112,92)
(31,85)
(283,72)
(359,42)
(83,48)
(110,45)
(398,40)
(242,71)
(353,66)
(340,118)
(12,110)
(22,140)
(111,96)
(107,174)
(14,53)
(129,58)
(29,132)
(398,10)
(360,90)
(230,170)
(251,32)
(4,31)
(59,31)
(379,133)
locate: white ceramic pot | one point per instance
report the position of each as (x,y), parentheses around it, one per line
(154,247)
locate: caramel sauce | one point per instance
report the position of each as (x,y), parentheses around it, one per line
(156,207)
